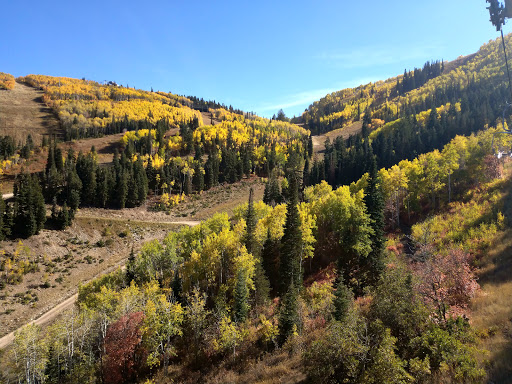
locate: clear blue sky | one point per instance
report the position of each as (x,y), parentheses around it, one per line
(256,55)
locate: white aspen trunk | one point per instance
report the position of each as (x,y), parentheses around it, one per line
(449,188)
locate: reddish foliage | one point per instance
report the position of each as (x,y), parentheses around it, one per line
(447,281)
(493,168)
(124,354)
(325,274)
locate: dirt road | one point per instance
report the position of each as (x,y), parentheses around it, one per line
(48,316)
(52,314)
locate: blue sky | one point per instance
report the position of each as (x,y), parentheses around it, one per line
(256,55)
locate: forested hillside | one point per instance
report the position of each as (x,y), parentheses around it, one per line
(408,115)
(374,264)
(166,150)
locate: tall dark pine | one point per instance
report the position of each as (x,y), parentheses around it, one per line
(288,314)
(342,299)
(241,298)
(374,200)
(289,268)
(250,219)
(29,207)
(130,268)
(270,262)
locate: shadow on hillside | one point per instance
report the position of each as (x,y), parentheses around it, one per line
(110,148)
(500,370)
(499,275)
(501,272)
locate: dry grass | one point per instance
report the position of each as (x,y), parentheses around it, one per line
(22,112)
(491,310)
(278,367)
(90,247)
(491,313)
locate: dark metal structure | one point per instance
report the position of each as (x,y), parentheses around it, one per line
(498,14)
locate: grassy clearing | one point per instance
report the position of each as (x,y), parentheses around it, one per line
(491,311)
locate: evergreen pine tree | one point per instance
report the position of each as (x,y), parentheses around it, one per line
(288,314)
(198,178)
(241,297)
(250,229)
(342,299)
(130,268)
(141,181)
(63,217)
(290,255)
(59,162)
(270,261)
(54,210)
(151,173)
(29,207)
(122,189)
(310,146)
(373,264)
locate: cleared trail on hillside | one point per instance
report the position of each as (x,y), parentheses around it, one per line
(23,112)
(345,132)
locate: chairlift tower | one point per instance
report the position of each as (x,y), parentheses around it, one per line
(498,15)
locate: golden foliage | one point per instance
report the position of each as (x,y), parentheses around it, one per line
(6,81)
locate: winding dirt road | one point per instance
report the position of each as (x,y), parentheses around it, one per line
(70,301)
(48,316)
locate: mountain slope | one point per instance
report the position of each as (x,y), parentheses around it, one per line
(23,112)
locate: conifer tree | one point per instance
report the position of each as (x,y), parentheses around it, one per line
(50,162)
(8,220)
(141,181)
(290,255)
(250,219)
(130,268)
(29,207)
(241,297)
(63,217)
(59,162)
(198,178)
(122,189)
(151,173)
(373,264)
(288,314)
(342,298)
(272,193)
(310,146)
(102,190)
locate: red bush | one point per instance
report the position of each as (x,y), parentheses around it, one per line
(124,354)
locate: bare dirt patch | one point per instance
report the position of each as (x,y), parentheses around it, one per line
(23,112)
(207,119)
(345,132)
(105,146)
